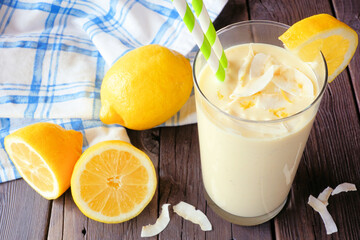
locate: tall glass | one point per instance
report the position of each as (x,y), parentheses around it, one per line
(248,166)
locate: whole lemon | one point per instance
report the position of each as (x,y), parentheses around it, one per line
(145,87)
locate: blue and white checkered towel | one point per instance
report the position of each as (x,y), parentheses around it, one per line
(54,54)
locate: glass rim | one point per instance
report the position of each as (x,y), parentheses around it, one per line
(236,118)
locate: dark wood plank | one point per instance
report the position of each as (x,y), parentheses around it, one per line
(24,213)
(180,179)
(149,142)
(333,148)
(263,231)
(56,224)
(234,11)
(222,228)
(349,12)
(74,221)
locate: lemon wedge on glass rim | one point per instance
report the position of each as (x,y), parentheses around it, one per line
(336,40)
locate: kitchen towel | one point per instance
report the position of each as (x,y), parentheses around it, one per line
(54,54)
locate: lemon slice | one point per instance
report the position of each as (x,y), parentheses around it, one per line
(322,32)
(113,182)
(45,155)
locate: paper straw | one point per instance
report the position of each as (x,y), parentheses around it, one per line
(209,30)
(189,19)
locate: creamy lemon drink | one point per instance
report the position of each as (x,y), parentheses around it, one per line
(253,128)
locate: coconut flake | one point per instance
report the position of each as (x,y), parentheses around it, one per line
(270,101)
(320,207)
(188,212)
(244,67)
(294,82)
(307,84)
(324,195)
(160,224)
(286,85)
(344,187)
(258,65)
(255,85)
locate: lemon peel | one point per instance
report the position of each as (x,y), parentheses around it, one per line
(220,96)
(279,112)
(247,104)
(283,93)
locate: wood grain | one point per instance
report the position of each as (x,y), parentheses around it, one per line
(180,179)
(24,213)
(75,223)
(349,12)
(56,225)
(263,231)
(234,11)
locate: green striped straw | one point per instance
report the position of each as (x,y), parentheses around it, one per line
(201,40)
(209,30)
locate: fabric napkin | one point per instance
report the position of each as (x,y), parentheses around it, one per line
(54,54)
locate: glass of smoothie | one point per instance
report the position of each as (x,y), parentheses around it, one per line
(253,126)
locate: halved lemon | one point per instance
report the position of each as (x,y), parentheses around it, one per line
(322,32)
(113,182)
(45,155)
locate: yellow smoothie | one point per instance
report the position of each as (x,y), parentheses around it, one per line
(250,153)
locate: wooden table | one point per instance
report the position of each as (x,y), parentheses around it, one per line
(332,156)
